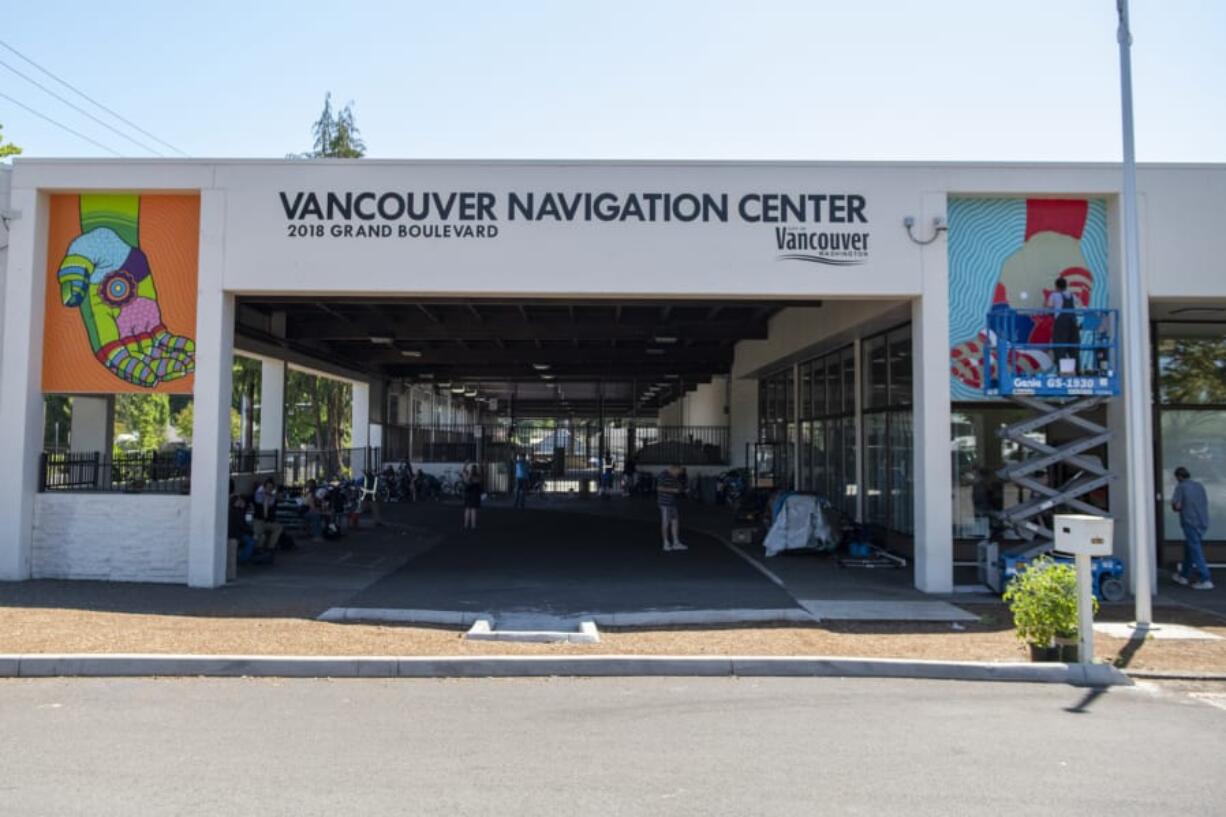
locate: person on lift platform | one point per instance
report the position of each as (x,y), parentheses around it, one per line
(1066,334)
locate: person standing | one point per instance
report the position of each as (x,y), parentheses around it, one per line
(1066,335)
(606,476)
(1192,505)
(669,488)
(521,481)
(474,485)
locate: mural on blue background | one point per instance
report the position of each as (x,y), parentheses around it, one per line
(1010,252)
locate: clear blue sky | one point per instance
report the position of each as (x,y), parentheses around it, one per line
(810,79)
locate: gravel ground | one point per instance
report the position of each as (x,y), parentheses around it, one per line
(44,630)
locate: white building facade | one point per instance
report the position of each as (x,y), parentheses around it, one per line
(830,232)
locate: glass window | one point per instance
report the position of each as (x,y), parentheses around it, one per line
(806,391)
(876,464)
(1192,363)
(834,385)
(902,475)
(1195,439)
(900,366)
(848,359)
(818,404)
(876,373)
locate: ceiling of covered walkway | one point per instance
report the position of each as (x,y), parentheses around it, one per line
(580,356)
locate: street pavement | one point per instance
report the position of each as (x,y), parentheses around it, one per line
(104,747)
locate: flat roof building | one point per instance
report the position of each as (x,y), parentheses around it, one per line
(829,320)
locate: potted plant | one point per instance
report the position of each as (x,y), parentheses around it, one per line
(1043,600)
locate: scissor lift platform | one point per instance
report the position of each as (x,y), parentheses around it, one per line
(1057,382)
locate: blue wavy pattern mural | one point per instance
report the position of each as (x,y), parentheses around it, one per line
(983,234)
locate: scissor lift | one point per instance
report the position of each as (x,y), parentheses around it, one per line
(1032,375)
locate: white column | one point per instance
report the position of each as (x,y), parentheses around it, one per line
(21,399)
(93,421)
(360,437)
(206,555)
(272,405)
(934,541)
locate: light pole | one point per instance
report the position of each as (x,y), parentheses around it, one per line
(1139,499)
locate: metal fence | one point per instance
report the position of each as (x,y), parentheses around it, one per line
(170,472)
(566,446)
(300,465)
(255,462)
(149,472)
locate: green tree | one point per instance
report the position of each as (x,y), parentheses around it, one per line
(246,377)
(10,149)
(336,134)
(317,411)
(145,415)
(1192,370)
(57,419)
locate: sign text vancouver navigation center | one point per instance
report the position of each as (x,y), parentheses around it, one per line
(814,227)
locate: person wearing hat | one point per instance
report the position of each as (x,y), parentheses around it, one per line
(1192,505)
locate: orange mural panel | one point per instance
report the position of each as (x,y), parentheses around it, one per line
(121,294)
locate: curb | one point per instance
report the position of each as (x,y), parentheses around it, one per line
(1191,675)
(233,666)
(643,618)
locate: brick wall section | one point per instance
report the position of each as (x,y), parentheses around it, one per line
(111,537)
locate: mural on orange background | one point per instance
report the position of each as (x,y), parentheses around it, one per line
(121,294)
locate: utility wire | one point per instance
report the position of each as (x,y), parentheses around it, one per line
(59,124)
(79,109)
(86,96)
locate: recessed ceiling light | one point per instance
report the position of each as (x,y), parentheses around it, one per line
(457,389)
(651,351)
(664,339)
(546,377)
(381,340)
(541,367)
(410,352)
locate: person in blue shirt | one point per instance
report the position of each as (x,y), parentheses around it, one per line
(522,475)
(1192,505)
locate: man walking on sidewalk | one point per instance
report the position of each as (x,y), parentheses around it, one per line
(1192,505)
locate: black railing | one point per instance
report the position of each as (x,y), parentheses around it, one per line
(170,472)
(149,472)
(300,465)
(682,445)
(255,462)
(569,446)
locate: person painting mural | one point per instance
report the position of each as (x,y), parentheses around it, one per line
(1066,334)
(1051,250)
(107,276)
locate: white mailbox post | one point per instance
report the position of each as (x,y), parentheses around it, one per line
(1084,536)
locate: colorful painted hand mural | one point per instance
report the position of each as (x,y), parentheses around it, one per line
(1009,253)
(106,275)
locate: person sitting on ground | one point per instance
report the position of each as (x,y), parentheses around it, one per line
(474,486)
(313,515)
(240,536)
(669,488)
(267,528)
